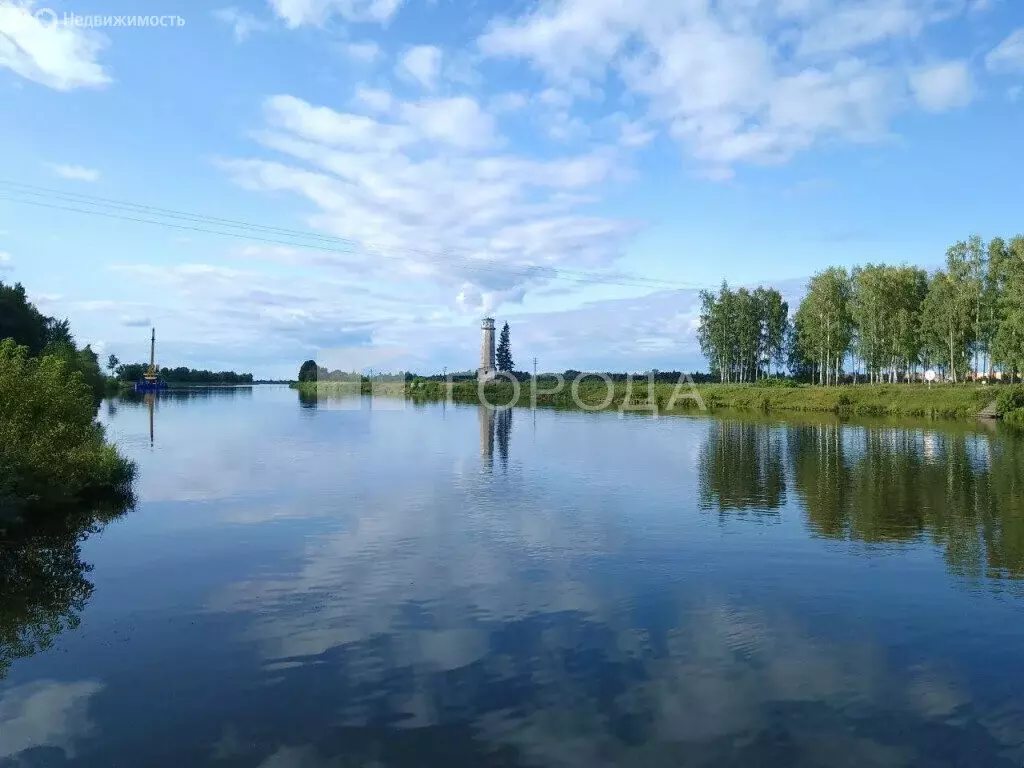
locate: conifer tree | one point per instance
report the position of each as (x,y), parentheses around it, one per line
(504,352)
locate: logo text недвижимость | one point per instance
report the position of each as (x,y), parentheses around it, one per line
(51,19)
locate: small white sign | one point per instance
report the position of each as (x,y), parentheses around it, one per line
(929,375)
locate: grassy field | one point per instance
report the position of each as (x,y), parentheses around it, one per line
(918,400)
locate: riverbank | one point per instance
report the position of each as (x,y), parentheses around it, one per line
(961,401)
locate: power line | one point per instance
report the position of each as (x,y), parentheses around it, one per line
(107,202)
(479,268)
(322,242)
(97,201)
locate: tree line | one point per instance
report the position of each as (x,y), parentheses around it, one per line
(743,333)
(310,372)
(42,335)
(179,375)
(53,454)
(879,323)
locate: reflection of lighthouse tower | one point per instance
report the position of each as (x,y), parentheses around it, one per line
(486,417)
(486,370)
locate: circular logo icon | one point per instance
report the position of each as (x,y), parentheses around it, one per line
(47,17)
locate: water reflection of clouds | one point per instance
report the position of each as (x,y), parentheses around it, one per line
(718,685)
(408,624)
(399,549)
(733,687)
(546,615)
(46,714)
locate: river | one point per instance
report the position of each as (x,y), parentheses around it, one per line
(306,584)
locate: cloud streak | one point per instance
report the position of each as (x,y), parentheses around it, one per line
(74,172)
(423,191)
(39,49)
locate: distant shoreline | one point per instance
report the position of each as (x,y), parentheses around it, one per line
(130,385)
(945,401)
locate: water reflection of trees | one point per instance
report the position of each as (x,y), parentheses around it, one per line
(742,467)
(188,393)
(308,398)
(503,431)
(964,490)
(43,584)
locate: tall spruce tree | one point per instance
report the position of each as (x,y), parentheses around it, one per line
(504,353)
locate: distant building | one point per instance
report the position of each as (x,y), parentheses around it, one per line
(487,370)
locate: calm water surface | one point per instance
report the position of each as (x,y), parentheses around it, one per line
(304,584)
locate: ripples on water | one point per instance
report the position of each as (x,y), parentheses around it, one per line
(308,584)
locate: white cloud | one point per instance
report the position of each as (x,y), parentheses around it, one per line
(298,13)
(851,26)
(424,196)
(562,126)
(365,52)
(566,37)
(39,49)
(326,126)
(508,102)
(1008,56)
(555,97)
(457,121)
(633,133)
(5,261)
(421,64)
(742,81)
(250,309)
(1013,93)
(74,172)
(943,86)
(242,23)
(375,99)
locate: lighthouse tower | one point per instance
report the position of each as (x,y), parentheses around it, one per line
(486,371)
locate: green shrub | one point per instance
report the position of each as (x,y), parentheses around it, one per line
(1010,399)
(52,451)
(775,383)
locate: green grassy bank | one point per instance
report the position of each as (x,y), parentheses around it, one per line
(939,401)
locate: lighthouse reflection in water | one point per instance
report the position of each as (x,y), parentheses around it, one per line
(494,423)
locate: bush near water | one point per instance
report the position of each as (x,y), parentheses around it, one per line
(1010,405)
(53,453)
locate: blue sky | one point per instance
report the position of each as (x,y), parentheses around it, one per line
(454,145)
